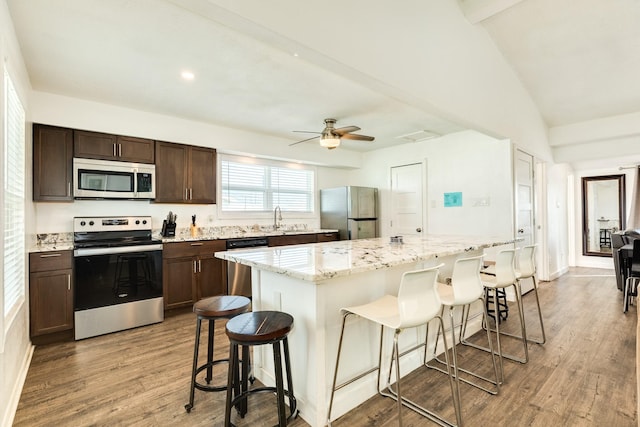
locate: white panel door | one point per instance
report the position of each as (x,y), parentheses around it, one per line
(525,196)
(406,200)
(524,199)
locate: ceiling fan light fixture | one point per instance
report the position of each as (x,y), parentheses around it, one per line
(328,140)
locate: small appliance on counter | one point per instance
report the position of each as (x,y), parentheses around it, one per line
(169,225)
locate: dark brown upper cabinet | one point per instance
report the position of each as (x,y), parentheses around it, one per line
(104,146)
(52,164)
(185,174)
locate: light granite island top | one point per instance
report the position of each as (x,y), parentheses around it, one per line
(312,282)
(317,262)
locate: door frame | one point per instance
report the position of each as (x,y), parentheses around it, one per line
(424,190)
(539,208)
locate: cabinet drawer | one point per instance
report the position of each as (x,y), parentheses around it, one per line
(292,239)
(195,248)
(47,261)
(327,237)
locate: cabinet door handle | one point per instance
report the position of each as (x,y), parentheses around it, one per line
(191,194)
(68,282)
(50,255)
(197,244)
(68,188)
(119,150)
(114,150)
(194,267)
(199,266)
(186,194)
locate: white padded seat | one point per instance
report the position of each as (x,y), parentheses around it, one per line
(505,276)
(416,304)
(465,289)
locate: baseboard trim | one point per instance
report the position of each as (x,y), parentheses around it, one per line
(14,399)
(559,273)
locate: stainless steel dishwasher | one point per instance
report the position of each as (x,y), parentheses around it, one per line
(238,275)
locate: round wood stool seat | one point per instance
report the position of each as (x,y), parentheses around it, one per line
(225,306)
(253,329)
(211,309)
(259,327)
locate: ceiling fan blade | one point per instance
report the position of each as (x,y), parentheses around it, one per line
(305,131)
(356,137)
(304,140)
(345,130)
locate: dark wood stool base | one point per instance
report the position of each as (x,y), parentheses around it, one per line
(220,307)
(252,329)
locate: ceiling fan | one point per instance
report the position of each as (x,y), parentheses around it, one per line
(330,136)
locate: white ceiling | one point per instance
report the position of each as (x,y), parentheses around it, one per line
(578,60)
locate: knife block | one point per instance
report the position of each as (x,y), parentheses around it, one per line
(168,230)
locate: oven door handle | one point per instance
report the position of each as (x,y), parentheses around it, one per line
(118,250)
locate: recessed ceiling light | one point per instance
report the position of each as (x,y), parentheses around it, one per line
(295,54)
(187,75)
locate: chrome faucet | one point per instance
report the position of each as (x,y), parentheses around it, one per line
(277,216)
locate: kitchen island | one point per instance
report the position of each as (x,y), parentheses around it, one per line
(312,282)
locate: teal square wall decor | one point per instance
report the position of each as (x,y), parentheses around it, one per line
(452,199)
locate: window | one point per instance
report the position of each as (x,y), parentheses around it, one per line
(14,210)
(251,185)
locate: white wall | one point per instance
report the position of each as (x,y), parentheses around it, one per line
(475,164)
(15,350)
(557,220)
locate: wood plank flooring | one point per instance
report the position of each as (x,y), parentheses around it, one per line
(583,376)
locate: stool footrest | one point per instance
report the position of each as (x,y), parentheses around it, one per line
(208,387)
(293,403)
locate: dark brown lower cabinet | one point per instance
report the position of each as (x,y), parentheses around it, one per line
(328,237)
(292,239)
(299,239)
(50,292)
(190,272)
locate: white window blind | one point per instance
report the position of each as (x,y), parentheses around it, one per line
(253,186)
(14,245)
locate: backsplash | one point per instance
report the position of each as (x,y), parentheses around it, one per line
(184,233)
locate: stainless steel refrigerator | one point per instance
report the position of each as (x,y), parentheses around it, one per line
(353,211)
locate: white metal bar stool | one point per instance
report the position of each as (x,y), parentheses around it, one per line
(505,276)
(527,269)
(465,289)
(417,304)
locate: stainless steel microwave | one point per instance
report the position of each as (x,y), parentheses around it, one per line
(105,179)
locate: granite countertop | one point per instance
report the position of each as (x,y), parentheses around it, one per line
(64,241)
(321,261)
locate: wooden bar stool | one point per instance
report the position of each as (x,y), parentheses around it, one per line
(211,309)
(251,329)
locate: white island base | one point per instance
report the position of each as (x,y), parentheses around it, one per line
(313,342)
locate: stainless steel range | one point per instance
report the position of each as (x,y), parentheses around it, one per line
(118,275)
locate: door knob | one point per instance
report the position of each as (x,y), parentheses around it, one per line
(521,230)
(419,230)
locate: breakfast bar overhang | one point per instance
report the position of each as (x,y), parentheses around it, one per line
(313,282)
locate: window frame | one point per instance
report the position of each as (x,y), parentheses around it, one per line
(9,90)
(261,214)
